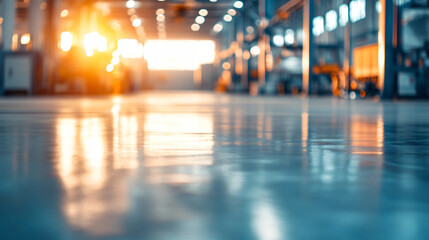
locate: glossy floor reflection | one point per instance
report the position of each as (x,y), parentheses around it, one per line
(207,166)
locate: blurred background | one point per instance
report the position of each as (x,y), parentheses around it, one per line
(347,48)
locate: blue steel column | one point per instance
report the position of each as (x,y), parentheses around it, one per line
(348,49)
(261,44)
(307,48)
(8,26)
(266,12)
(387,78)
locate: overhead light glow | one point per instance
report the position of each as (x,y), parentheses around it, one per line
(289,36)
(213,0)
(344,14)
(131,4)
(238,4)
(101,44)
(25,39)
(93,41)
(110,68)
(115,61)
(217,27)
(226,65)
(278,40)
(64,13)
(232,12)
(203,12)
(318,26)
(137,22)
(255,51)
(200,19)
(331,20)
(160,11)
(129,48)
(227,18)
(178,54)
(66,41)
(160,18)
(195,27)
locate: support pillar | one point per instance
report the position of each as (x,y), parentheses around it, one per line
(386,59)
(308,47)
(261,44)
(348,50)
(36,24)
(8,27)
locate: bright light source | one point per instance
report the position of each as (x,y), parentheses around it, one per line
(289,36)
(203,12)
(66,41)
(278,40)
(93,41)
(331,20)
(129,48)
(255,51)
(238,4)
(178,54)
(25,39)
(200,19)
(137,22)
(217,27)
(232,12)
(378,6)
(101,44)
(195,27)
(115,61)
(227,18)
(131,4)
(344,14)
(213,0)
(318,26)
(160,11)
(226,65)
(160,18)
(64,13)
(110,68)
(358,10)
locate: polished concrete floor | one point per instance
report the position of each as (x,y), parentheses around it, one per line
(209,166)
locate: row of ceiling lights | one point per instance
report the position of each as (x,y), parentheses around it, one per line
(160,21)
(135,20)
(228,17)
(200,19)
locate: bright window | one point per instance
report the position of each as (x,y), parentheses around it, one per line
(344,15)
(289,36)
(357,10)
(331,20)
(318,26)
(178,54)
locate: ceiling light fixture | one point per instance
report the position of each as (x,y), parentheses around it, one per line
(238,4)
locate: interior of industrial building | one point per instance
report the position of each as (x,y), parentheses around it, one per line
(214,119)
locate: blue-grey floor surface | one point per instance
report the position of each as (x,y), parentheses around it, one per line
(190,165)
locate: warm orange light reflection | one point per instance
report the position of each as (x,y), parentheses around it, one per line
(66,41)
(304,130)
(83,170)
(367,137)
(178,54)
